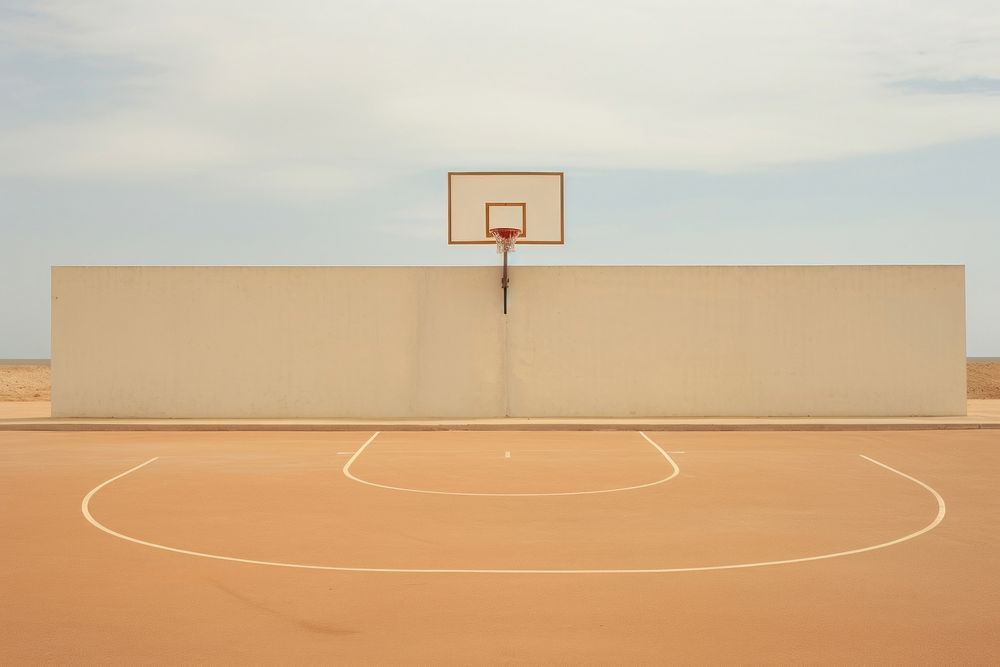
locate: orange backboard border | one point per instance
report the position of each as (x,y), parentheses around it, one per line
(488,240)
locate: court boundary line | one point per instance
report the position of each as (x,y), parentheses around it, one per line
(942,510)
(347,473)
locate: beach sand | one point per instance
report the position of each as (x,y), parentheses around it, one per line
(983,379)
(25,382)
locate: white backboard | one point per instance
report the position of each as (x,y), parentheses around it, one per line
(482,200)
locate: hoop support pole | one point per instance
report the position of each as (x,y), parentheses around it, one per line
(504,281)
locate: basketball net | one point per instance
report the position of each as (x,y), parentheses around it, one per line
(506,238)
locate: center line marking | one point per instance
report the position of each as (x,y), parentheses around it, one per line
(507,455)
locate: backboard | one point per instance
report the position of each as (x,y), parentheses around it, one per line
(531,201)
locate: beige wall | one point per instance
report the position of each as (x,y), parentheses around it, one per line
(275,342)
(738,341)
(580,341)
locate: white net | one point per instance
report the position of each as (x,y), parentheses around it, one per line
(506,238)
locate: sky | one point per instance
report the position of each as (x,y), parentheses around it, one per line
(321,133)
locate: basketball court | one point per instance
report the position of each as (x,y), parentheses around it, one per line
(457,546)
(317,540)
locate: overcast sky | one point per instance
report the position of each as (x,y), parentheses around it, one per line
(694,132)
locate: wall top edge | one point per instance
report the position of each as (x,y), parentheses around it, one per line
(491,266)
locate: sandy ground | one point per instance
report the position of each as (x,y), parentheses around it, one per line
(75,594)
(984,379)
(32,382)
(25,382)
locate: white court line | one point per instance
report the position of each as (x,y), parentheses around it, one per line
(350,475)
(506,455)
(85,508)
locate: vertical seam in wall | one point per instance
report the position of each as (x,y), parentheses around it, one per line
(506,368)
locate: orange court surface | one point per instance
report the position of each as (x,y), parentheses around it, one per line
(500,547)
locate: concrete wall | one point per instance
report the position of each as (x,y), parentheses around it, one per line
(275,342)
(579,341)
(738,341)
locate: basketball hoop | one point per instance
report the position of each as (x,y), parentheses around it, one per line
(506,238)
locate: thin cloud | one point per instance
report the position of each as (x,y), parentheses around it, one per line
(977,85)
(290,98)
